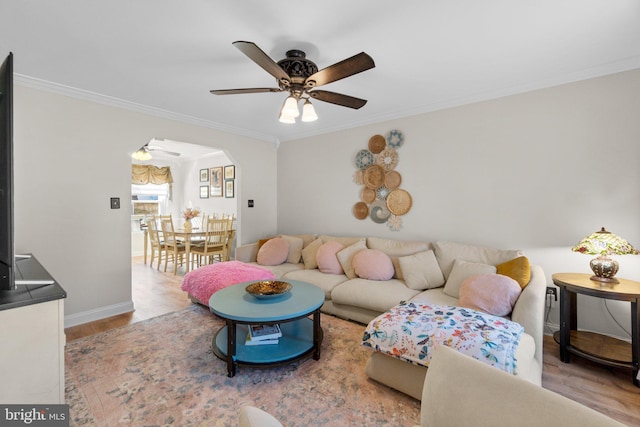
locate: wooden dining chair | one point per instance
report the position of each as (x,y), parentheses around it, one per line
(198,223)
(157,244)
(231,235)
(214,245)
(173,247)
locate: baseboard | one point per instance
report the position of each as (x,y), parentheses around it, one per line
(97,314)
(550,328)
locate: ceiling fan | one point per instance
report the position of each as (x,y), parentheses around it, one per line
(144,152)
(152,147)
(299,76)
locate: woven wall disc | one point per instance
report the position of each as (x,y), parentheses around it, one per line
(387,158)
(374,176)
(360,210)
(399,202)
(392,180)
(379,213)
(377,143)
(368,195)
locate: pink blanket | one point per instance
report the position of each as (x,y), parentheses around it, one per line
(205,281)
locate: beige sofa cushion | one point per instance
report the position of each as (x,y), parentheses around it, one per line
(306,238)
(491,397)
(346,241)
(326,282)
(435,296)
(345,257)
(372,294)
(421,271)
(295,248)
(282,269)
(309,254)
(250,416)
(448,252)
(396,249)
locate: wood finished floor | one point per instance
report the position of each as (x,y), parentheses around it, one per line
(607,390)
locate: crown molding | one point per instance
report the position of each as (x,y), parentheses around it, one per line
(614,67)
(59,89)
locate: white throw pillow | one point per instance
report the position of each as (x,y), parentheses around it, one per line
(421,271)
(461,270)
(345,256)
(295,248)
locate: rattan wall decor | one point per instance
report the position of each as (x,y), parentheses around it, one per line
(381,198)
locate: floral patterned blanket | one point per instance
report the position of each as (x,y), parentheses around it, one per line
(411,331)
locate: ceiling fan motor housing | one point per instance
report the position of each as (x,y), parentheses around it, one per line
(298,68)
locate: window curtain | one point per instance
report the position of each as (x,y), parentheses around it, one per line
(149,174)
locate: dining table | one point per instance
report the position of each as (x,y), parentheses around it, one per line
(181,233)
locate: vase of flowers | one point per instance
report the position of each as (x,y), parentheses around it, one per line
(188,215)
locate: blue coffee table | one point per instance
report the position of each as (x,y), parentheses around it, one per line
(301,336)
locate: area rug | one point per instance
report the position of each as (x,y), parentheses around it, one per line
(162,372)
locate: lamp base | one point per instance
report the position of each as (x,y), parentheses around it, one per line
(604,269)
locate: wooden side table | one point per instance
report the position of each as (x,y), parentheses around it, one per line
(590,345)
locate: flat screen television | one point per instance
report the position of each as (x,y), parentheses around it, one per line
(7,258)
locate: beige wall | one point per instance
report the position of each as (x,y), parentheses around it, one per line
(71,156)
(536,171)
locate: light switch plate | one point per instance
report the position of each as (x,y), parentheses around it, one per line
(115,203)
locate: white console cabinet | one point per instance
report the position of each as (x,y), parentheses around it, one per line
(32,344)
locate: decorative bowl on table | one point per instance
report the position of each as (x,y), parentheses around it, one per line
(266,289)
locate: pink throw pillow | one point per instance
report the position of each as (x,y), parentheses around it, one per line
(327,257)
(274,252)
(492,293)
(373,264)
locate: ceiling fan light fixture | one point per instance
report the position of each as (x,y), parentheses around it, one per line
(141,155)
(308,112)
(286,119)
(290,107)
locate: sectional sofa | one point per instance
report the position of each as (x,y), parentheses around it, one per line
(487,398)
(420,272)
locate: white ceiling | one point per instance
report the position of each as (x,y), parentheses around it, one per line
(163,56)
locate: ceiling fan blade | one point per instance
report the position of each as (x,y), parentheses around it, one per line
(258,56)
(338,98)
(249,90)
(350,66)
(171,153)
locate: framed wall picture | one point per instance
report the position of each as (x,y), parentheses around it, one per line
(216,182)
(229,172)
(229,189)
(204,175)
(204,191)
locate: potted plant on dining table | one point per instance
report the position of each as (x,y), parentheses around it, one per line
(189,214)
